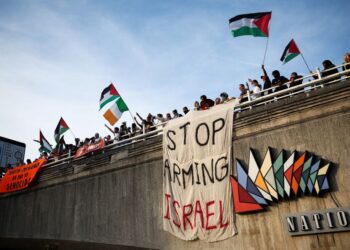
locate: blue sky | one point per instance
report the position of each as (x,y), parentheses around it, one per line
(57,56)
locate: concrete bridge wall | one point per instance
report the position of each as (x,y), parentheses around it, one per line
(115,199)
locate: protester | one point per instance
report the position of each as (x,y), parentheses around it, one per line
(196,106)
(243,97)
(168,117)
(217,101)
(206,103)
(134,129)
(71,149)
(2,172)
(225,98)
(92,140)
(327,69)
(295,79)
(123,131)
(148,123)
(116,134)
(279,81)
(87,141)
(346,60)
(97,138)
(108,140)
(176,114)
(44,155)
(77,142)
(160,119)
(185,110)
(256,88)
(29,161)
(266,80)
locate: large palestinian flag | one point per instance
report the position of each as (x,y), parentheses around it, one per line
(114,113)
(108,95)
(255,24)
(61,128)
(290,52)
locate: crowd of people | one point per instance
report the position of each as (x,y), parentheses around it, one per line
(153,122)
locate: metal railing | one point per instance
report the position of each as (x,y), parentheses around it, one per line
(316,82)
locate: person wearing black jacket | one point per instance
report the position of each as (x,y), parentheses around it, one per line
(266,80)
(278,81)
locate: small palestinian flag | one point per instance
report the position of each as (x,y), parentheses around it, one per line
(255,24)
(109,94)
(114,113)
(45,146)
(290,52)
(61,128)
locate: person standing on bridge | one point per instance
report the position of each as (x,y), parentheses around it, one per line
(206,103)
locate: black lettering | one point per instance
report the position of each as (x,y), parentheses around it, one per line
(197,182)
(176,173)
(166,166)
(185,130)
(197,130)
(168,135)
(189,172)
(215,130)
(224,167)
(211,177)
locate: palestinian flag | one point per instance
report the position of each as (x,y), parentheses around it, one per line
(45,146)
(290,52)
(60,147)
(61,128)
(114,113)
(255,24)
(109,94)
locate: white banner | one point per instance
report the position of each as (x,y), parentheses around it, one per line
(197,193)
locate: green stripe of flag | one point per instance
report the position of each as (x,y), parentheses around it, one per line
(112,98)
(290,57)
(247,31)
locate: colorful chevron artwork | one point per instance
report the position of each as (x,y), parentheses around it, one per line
(282,178)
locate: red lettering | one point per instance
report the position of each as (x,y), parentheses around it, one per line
(177,214)
(167,197)
(208,204)
(221,216)
(186,214)
(198,210)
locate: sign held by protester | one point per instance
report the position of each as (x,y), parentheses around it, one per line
(197,193)
(20,177)
(89,148)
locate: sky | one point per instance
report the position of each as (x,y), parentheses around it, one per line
(57,56)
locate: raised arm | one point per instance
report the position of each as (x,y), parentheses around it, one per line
(138,124)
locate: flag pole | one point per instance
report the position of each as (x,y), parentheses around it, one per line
(109,129)
(305,62)
(267,43)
